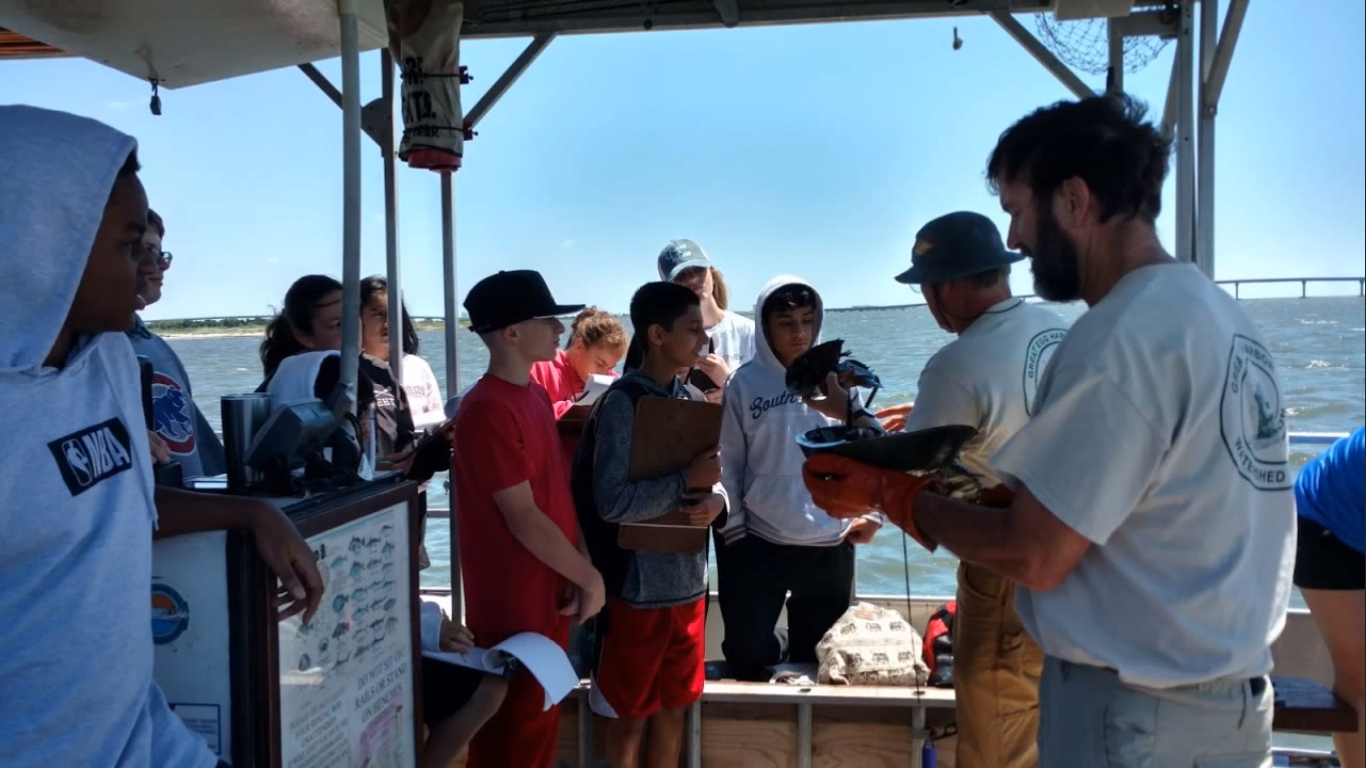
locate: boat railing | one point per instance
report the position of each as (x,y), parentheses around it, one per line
(1237,291)
(1305,442)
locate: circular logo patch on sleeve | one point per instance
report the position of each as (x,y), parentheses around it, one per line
(1037,357)
(1251,419)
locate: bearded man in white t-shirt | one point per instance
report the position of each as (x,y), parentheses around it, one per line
(985,379)
(1153,527)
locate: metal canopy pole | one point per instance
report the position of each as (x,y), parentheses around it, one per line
(1204,198)
(1114,83)
(1044,56)
(1216,56)
(351,196)
(1223,53)
(452,364)
(1173,90)
(505,81)
(324,85)
(1185,144)
(392,272)
(452,316)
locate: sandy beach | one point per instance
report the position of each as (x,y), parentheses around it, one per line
(243,332)
(237,334)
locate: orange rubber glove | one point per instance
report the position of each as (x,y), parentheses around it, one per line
(845,488)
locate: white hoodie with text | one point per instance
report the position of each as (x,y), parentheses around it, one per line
(761,463)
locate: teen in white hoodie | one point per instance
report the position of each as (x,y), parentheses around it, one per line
(776,539)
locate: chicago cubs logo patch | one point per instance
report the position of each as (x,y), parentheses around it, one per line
(173,414)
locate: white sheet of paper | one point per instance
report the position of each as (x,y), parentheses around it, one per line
(537,653)
(597,384)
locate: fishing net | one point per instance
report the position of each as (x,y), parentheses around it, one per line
(1084,44)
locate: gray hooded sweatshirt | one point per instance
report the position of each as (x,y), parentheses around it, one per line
(648,579)
(76,495)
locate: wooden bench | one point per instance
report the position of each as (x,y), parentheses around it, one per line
(1305,706)
(760,724)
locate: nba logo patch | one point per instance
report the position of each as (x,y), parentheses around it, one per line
(92,455)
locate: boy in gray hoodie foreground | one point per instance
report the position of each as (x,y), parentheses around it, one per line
(80,503)
(649,651)
(776,539)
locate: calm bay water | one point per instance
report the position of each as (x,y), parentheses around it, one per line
(1319,345)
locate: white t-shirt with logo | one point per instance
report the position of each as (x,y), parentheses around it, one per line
(733,339)
(424,392)
(1159,434)
(987,379)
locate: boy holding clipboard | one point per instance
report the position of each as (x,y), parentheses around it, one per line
(649,651)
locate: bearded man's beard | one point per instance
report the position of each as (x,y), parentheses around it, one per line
(1054,261)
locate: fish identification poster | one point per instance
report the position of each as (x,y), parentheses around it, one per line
(346,691)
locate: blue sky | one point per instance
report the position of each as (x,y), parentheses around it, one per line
(815,150)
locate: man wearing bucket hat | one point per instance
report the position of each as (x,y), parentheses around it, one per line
(985,379)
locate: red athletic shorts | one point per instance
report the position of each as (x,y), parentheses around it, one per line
(649,659)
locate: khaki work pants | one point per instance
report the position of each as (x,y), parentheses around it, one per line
(996,671)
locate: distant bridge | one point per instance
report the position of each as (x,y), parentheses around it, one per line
(1303,281)
(1237,290)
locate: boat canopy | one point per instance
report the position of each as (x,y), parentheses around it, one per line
(176,43)
(188,42)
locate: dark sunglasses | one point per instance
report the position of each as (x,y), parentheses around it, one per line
(164,259)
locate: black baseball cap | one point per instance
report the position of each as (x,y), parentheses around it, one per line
(954,246)
(511,297)
(678,256)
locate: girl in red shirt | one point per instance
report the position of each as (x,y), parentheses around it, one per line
(597,342)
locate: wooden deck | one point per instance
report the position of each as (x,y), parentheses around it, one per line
(756,725)
(760,725)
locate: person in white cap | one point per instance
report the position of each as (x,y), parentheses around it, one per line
(732,334)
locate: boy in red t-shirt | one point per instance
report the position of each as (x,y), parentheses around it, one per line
(524,565)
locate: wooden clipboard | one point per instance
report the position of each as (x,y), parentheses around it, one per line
(668,434)
(574,420)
